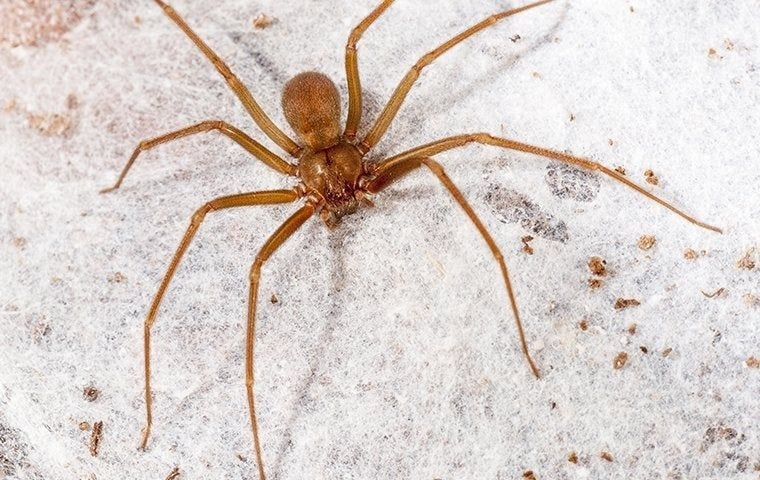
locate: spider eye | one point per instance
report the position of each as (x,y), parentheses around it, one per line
(311,104)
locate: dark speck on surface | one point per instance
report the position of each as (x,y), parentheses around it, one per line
(510,206)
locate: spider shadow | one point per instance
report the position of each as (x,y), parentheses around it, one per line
(445,101)
(338,276)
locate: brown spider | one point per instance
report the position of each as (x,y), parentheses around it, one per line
(334,178)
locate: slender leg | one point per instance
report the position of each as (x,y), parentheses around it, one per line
(389,112)
(252,146)
(242,92)
(242,200)
(273,243)
(386,176)
(486,139)
(352,70)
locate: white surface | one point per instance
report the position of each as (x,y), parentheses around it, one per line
(392,353)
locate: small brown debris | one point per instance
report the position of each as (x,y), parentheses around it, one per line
(583,325)
(526,247)
(644,349)
(632,10)
(537,75)
(632,328)
(713,54)
(606,456)
(51,125)
(20,242)
(573,458)
(620,170)
(666,353)
(690,254)
(263,21)
(572,117)
(611,142)
(598,266)
(651,177)
(174,474)
(529,475)
(751,300)
(84,426)
(623,303)
(646,242)
(753,362)
(720,293)
(117,277)
(97,435)
(274,299)
(90,393)
(747,262)
(620,360)
(595,283)
(515,39)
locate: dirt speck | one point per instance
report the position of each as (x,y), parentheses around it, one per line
(632,328)
(606,456)
(526,244)
(84,426)
(747,262)
(90,393)
(719,293)
(117,277)
(646,242)
(623,303)
(274,300)
(595,283)
(529,475)
(263,21)
(598,266)
(620,360)
(691,254)
(713,54)
(751,300)
(753,362)
(651,178)
(583,325)
(174,474)
(573,458)
(95,438)
(620,170)
(515,38)
(51,124)
(666,352)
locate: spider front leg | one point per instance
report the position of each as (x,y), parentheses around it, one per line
(486,139)
(387,173)
(274,242)
(399,95)
(242,92)
(252,146)
(352,70)
(273,197)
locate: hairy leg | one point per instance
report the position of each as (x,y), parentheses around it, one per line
(252,146)
(242,200)
(486,139)
(386,176)
(352,70)
(394,104)
(273,243)
(242,92)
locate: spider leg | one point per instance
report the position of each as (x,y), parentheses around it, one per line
(387,175)
(272,244)
(252,146)
(486,139)
(352,70)
(242,92)
(272,197)
(394,104)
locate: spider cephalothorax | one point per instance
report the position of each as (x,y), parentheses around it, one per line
(332,175)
